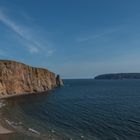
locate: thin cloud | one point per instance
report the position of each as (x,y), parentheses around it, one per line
(13,26)
(26,16)
(50,52)
(98,35)
(32,45)
(33,49)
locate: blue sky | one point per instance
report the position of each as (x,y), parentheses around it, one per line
(74,38)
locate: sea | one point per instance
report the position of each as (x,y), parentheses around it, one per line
(83,109)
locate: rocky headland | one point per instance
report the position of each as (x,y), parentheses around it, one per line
(18,79)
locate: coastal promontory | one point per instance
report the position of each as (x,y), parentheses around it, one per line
(119,76)
(17,79)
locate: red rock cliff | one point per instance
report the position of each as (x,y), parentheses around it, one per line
(17,79)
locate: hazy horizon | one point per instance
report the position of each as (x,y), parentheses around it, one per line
(76,39)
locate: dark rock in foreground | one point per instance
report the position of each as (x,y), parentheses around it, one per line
(119,76)
(18,79)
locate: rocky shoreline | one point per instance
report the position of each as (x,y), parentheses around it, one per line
(18,79)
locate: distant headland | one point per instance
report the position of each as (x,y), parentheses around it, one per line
(18,79)
(119,76)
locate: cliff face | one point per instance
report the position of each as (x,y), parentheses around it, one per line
(17,79)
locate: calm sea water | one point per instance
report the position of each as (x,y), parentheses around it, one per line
(81,110)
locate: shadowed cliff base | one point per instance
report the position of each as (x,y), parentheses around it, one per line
(18,79)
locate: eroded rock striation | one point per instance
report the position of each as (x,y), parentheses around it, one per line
(18,79)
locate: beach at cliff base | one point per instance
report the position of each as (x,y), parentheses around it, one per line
(4,130)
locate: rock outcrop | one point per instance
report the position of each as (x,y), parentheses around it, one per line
(18,79)
(59,81)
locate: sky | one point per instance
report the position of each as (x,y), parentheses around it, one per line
(73,38)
